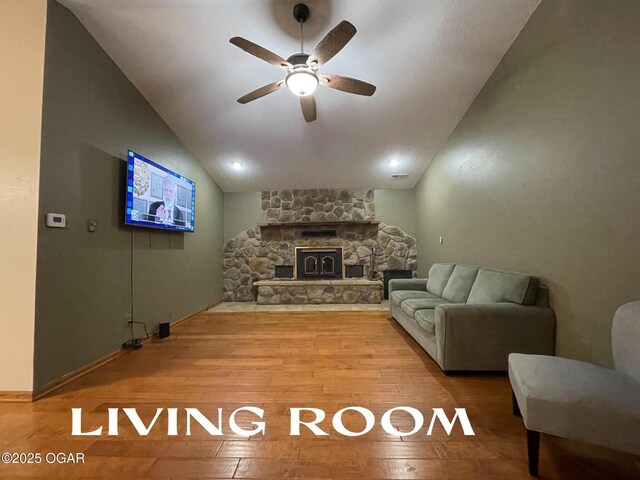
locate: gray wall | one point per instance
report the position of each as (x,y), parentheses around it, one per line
(542,174)
(243,210)
(92,114)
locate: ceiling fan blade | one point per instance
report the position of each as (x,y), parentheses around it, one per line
(260,52)
(308,105)
(332,43)
(347,84)
(262,91)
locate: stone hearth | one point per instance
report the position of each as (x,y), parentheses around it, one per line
(299,292)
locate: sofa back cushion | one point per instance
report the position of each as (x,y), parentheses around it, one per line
(460,283)
(542,296)
(493,286)
(625,333)
(438,277)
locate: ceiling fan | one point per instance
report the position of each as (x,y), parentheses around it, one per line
(302,68)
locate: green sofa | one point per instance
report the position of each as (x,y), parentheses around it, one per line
(471,318)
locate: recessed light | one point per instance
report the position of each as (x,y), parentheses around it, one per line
(236,165)
(393,162)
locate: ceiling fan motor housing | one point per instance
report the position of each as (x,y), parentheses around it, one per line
(301,13)
(298,59)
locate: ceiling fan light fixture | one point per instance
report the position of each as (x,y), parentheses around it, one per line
(302,81)
(302,78)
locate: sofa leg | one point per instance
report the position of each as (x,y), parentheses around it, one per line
(533,450)
(514,405)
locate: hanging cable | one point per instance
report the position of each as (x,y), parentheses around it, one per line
(135,342)
(131,285)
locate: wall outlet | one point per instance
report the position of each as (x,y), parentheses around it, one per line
(127,317)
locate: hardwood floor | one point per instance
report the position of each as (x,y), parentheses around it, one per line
(275,361)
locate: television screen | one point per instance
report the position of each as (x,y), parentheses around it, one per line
(158,197)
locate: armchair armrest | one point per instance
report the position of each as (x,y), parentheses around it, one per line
(481,337)
(407,284)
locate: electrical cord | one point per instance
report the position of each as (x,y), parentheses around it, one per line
(135,342)
(146,333)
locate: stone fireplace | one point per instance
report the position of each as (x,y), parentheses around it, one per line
(336,224)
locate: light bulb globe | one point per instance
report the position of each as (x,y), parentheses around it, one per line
(302,82)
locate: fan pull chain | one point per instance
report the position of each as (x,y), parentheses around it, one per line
(301,36)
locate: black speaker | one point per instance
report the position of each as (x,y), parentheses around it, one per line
(164,330)
(392,274)
(284,271)
(354,271)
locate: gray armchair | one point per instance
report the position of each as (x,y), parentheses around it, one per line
(582,401)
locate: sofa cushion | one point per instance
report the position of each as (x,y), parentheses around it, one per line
(460,283)
(577,400)
(426,320)
(411,305)
(400,295)
(625,334)
(493,286)
(438,277)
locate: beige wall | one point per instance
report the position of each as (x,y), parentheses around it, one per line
(22,32)
(542,175)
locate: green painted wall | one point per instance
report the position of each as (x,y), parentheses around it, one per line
(396,206)
(92,114)
(542,174)
(242,210)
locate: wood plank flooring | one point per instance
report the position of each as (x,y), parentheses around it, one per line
(275,361)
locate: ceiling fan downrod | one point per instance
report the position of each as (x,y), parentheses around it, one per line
(301,13)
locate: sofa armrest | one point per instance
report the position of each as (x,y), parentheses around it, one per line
(407,284)
(481,337)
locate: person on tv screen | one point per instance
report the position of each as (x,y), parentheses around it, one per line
(166,211)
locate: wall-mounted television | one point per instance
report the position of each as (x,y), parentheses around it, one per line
(158,197)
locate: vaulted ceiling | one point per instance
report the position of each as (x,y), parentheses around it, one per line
(428,59)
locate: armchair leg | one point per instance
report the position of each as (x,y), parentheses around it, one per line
(533,450)
(514,405)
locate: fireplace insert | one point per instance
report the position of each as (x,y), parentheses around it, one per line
(318,263)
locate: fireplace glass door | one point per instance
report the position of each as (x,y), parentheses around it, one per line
(317,263)
(310,266)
